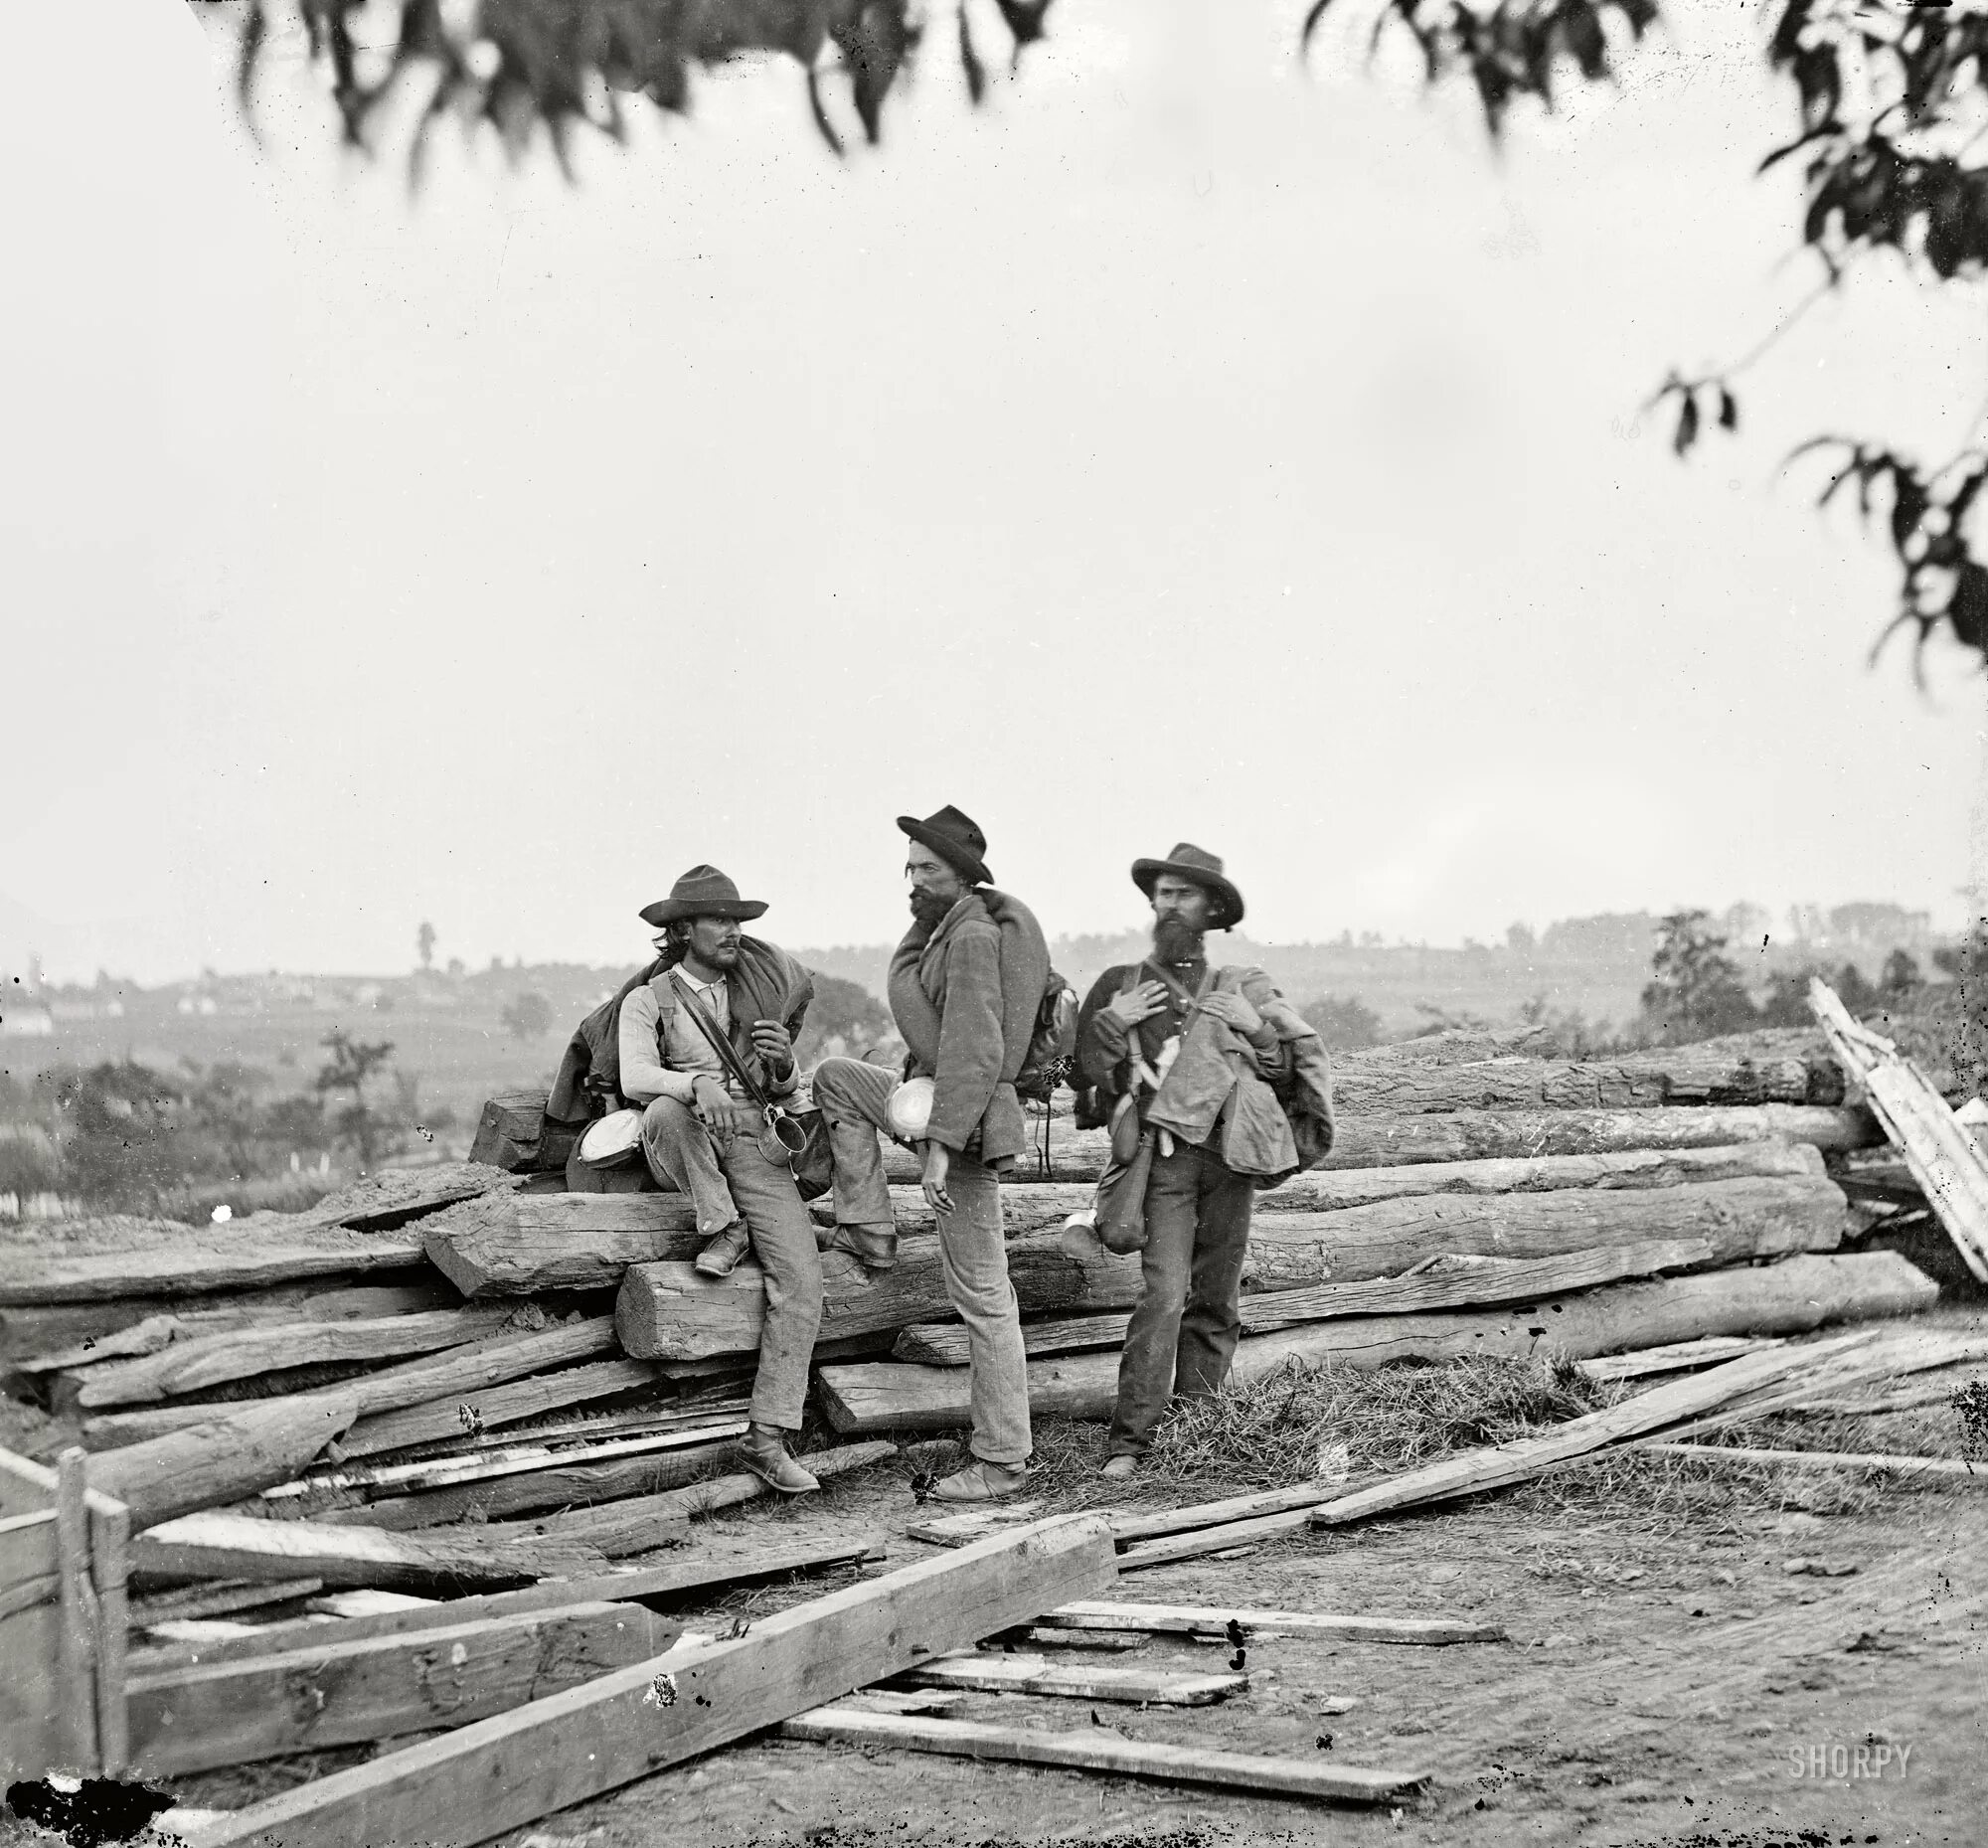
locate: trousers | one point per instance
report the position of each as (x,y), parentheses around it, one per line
(1182,1337)
(727,1178)
(853,1098)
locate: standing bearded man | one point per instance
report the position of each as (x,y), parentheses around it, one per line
(1235,1089)
(703,1134)
(965,987)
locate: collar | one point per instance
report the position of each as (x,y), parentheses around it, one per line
(690,982)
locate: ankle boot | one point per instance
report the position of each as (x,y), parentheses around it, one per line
(764,1452)
(721,1255)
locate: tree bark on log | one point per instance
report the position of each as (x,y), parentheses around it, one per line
(1793,1296)
(511,1244)
(207,1260)
(669,1311)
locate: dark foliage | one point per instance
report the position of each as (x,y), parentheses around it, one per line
(527,1016)
(843,1017)
(1696,991)
(566,64)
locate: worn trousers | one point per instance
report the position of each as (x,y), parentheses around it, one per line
(1182,1337)
(727,1179)
(853,1098)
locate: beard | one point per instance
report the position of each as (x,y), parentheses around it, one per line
(1173,942)
(929,909)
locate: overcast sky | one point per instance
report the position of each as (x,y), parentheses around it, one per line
(1184,447)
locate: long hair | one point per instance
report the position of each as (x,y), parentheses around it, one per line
(674,944)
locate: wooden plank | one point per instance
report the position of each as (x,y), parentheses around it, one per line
(28,1551)
(668,1312)
(685,1572)
(987,1673)
(1676,1356)
(1058,1636)
(1792,1296)
(1093,1750)
(442,1472)
(27,1487)
(901,1700)
(234,1546)
(491,1407)
(157,1324)
(482,1364)
(109,1565)
(499,1773)
(32,1740)
(256,1442)
(1826,1459)
(1947,1163)
(1446,1281)
(1499,1465)
(205,1262)
(620,1528)
(193,1603)
(1215,1620)
(76,1652)
(959,1530)
(342,1692)
(554,1483)
(1204,1541)
(242,1353)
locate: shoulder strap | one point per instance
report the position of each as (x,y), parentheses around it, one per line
(719,1043)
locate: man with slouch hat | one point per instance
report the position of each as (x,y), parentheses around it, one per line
(965,987)
(1234,1089)
(704,1135)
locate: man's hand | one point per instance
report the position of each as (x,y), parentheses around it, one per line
(774,1045)
(1232,1010)
(721,1113)
(938,1158)
(1142,1003)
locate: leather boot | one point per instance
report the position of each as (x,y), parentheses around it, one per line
(763,1452)
(982,1481)
(721,1257)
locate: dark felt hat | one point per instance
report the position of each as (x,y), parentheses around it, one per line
(703,892)
(956,839)
(1187,860)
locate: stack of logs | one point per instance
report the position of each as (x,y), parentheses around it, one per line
(1473,1204)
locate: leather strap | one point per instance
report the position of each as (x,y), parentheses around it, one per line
(707,1026)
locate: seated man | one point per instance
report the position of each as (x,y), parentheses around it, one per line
(703,1135)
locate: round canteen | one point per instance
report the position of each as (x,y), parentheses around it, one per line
(911,1109)
(613,1140)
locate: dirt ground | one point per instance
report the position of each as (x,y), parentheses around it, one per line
(1664,1689)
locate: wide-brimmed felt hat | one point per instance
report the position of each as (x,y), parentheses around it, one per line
(1187,860)
(703,892)
(956,839)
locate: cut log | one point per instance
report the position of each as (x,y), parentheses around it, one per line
(1035,1674)
(1033,1206)
(1944,1159)
(490,1409)
(207,1260)
(206,1360)
(513,1245)
(688,1569)
(1094,1750)
(342,1692)
(617,1529)
(1797,1294)
(1442,1282)
(554,1483)
(235,1546)
(255,1444)
(669,1311)
(498,1774)
(513,1135)
(1215,1621)
(191,1603)
(480,1364)
(159,1322)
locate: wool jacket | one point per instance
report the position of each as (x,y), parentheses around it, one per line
(1262,1113)
(964,996)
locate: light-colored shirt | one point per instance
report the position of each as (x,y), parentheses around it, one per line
(687,1054)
